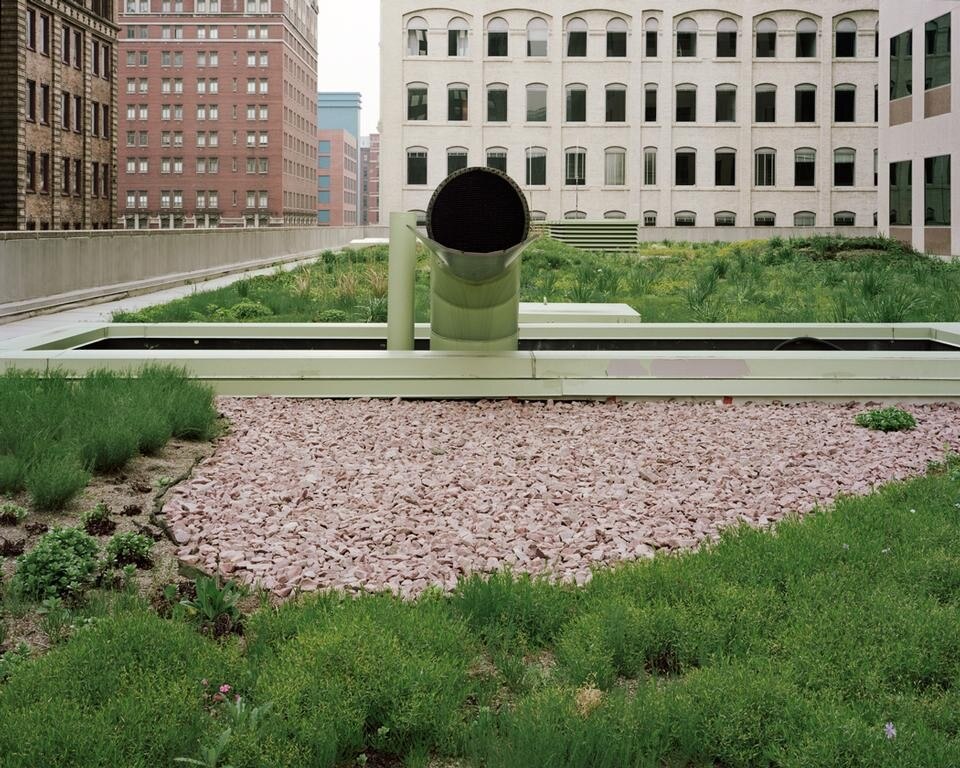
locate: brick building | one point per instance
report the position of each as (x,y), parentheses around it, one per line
(370,179)
(217,123)
(57,116)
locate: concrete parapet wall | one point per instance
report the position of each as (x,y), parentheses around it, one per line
(39,269)
(736,234)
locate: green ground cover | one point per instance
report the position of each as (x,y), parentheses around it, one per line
(832,641)
(817,279)
(55,432)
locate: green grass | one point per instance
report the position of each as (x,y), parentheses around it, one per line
(820,279)
(55,431)
(789,648)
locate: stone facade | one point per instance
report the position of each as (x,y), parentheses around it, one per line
(757,144)
(57,115)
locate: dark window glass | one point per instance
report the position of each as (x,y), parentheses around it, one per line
(576,105)
(844,219)
(31,100)
(577,43)
(726,105)
(496,44)
(497,160)
(766,45)
(764,219)
(936,191)
(806,104)
(650,105)
(937,61)
(651,43)
(901,65)
(416,104)
(457,104)
(536,168)
(846,44)
(806,45)
(726,45)
(686,105)
(765,169)
(766,111)
(416,167)
(844,105)
(496,105)
(686,175)
(844,165)
(616,44)
(456,161)
(616,107)
(725,167)
(686,44)
(725,219)
(575,168)
(901,193)
(536,105)
(804,168)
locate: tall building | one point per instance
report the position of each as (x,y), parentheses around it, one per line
(57,115)
(672,113)
(338,155)
(919,126)
(218,113)
(370,179)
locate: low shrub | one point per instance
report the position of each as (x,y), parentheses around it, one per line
(11,514)
(55,479)
(108,446)
(331,316)
(153,431)
(129,549)
(12,473)
(61,564)
(887,420)
(247,310)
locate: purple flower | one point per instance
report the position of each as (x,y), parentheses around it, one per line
(890,731)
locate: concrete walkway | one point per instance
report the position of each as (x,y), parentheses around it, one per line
(101,313)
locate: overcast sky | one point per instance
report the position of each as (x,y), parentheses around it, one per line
(348,50)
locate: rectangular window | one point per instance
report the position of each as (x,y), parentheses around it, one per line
(577,43)
(44,103)
(650,167)
(496,105)
(536,168)
(416,167)
(805,106)
(456,104)
(901,193)
(901,65)
(936,191)
(65,110)
(497,159)
(575,168)
(844,166)
(65,177)
(31,29)
(726,105)
(576,107)
(615,168)
(456,42)
(726,44)
(765,169)
(686,170)
(844,104)
(536,104)
(416,104)
(650,41)
(31,171)
(725,169)
(937,47)
(44,172)
(456,161)
(686,105)
(497,43)
(31,101)
(650,104)
(616,107)
(804,168)
(77,114)
(77,49)
(616,44)
(766,105)
(44,35)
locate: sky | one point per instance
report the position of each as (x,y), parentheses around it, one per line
(348,52)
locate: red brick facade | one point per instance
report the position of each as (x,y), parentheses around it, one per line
(337,174)
(217,119)
(370,181)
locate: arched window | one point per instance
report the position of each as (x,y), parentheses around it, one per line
(650,103)
(764,219)
(650,166)
(844,219)
(614,215)
(416,101)
(536,162)
(807,39)
(804,219)
(498,34)
(685,219)
(725,219)
(457,101)
(537,37)
(766,39)
(651,34)
(456,159)
(416,165)
(417,36)
(846,44)
(805,103)
(686,167)
(538,215)
(845,103)
(726,39)
(576,37)
(536,103)
(844,167)
(615,96)
(457,37)
(614,166)
(765,167)
(766,104)
(649,218)
(497,158)
(575,166)
(497,103)
(687,38)
(805,167)
(575,103)
(575,215)
(726,103)
(725,167)
(616,38)
(686,99)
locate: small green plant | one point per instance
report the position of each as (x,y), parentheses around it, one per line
(210,757)
(215,608)
(55,620)
(247,310)
(887,420)
(55,479)
(61,564)
(11,514)
(126,549)
(10,660)
(12,474)
(97,521)
(331,316)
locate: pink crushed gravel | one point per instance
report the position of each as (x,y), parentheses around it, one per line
(361,494)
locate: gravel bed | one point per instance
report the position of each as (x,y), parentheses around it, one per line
(377,494)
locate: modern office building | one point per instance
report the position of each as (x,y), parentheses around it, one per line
(919,124)
(338,158)
(370,179)
(217,124)
(57,114)
(671,113)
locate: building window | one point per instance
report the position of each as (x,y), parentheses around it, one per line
(457,37)
(844,219)
(619,215)
(31,171)
(575,215)
(44,172)
(807,39)
(764,219)
(650,103)
(497,159)
(649,218)
(575,167)
(686,168)
(576,104)
(686,103)
(615,167)
(537,37)
(844,104)
(536,103)
(417,101)
(936,191)
(725,168)
(846,43)
(804,219)
(576,38)
(616,39)
(725,219)
(726,109)
(498,34)
(844,166)
(616,103)
(31,101)
(766,104)
(901,193)
(44,103)
(765,168)
(685,219)
(497,103)
(686,38)
(805,103)
(766,39)
(44,36)
(650,166)
(937,47)
(901,65)
(456,159)
(456,102)
(726,39)
(417,37)
(536,166)
(805,168)
(651,34)
(416,166)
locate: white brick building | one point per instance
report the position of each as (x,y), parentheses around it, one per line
(662,113)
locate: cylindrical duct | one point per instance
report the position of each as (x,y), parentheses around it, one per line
(401,277)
